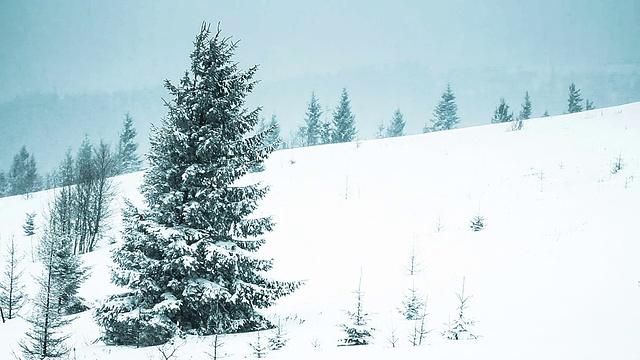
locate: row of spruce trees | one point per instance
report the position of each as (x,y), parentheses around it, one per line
(23,177)
(342,128)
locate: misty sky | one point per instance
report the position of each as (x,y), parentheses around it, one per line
(75,46)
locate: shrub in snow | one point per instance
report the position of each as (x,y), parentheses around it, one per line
(477,223)
(189,256)
(460,327)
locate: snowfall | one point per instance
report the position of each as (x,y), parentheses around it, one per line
(554,274)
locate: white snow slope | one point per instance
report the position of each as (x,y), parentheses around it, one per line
(555,274)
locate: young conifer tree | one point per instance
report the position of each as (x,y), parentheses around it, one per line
(45,339)
(502,114)
(396,128)
(574,101)
(189,257)
(12,290)
(128,159)
(344,121)
(445,115)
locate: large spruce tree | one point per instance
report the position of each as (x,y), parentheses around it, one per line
(189,257)
(445,115)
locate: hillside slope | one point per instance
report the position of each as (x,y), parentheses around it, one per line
(554,274)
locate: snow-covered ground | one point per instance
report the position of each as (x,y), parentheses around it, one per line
(555,274)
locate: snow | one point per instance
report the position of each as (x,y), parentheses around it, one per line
(553,274)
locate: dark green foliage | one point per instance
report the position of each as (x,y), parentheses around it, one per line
(396,128)
(189,257)
(23,175)
(127,158)
(526,111)
(445,115)
(344,122)
(575,101)
(502,114)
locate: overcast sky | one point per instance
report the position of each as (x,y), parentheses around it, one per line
(75,46)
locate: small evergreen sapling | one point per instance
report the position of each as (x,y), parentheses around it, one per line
(29,228)
(278,340)
(477,223)
(12,292)
(45,339)
(461,327)
(445,115)
(258,348)
(617,165)
(358,332)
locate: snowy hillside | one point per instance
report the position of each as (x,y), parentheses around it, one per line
(554,274)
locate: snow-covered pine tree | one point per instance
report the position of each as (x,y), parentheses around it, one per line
(358,332)
(445,115)
(525,113)
(546,113)
(460,328)
(574,99)
(45,339)
(128,160)
(344,122)
(12,295)
(501,114)
(189,258)
(396,128)
(313,123)
(413,304)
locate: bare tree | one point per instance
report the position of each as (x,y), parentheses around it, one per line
(44,340)
(12,295)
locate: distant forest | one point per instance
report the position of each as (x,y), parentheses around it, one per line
(49,124)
